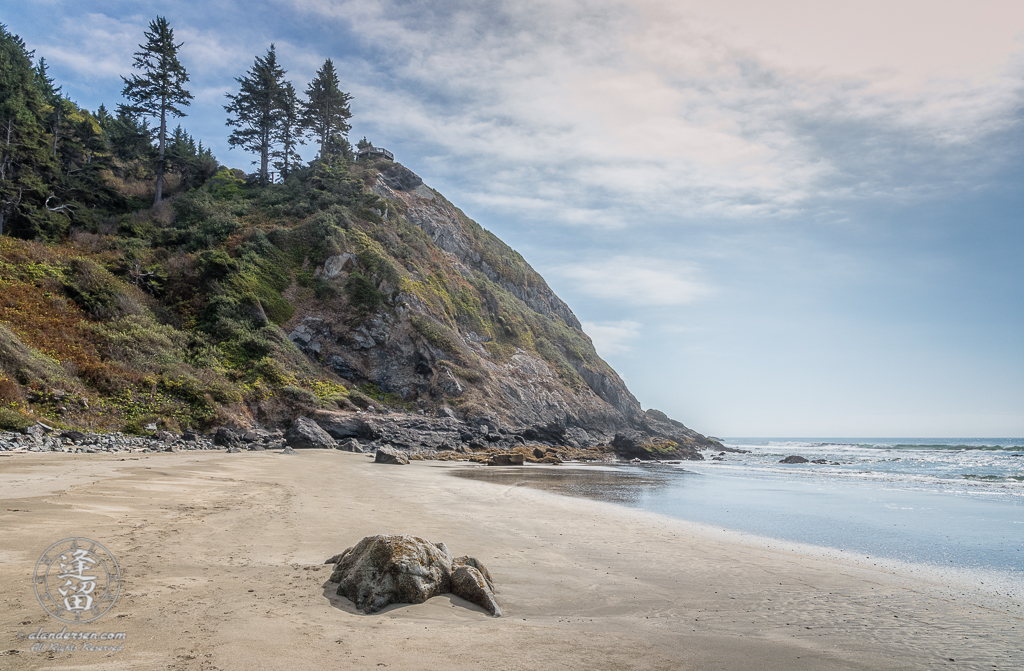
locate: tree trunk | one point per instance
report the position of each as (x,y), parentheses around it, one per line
(160,160)
(264,163)
(56,129)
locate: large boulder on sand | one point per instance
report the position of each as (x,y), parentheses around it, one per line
(386,569)
(349,445)
(307,434)
(506,460)
(389,455)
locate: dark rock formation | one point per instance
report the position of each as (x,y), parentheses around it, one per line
(225,437)
(389,455)
(381,570)
(307,434)
(350,445)
(793,459)
(633,444)
(506,460)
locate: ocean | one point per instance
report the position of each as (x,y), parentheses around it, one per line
(954,505)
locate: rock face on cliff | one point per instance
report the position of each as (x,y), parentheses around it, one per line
(437,312)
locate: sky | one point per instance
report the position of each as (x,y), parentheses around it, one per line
(792,218)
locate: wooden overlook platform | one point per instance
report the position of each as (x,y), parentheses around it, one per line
(374,152)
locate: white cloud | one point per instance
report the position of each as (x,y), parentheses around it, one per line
(102,47)
(635,280)
(612,337)
(670,107)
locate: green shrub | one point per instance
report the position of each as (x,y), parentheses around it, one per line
(99,293)
(360,399)
(441,337)
(272,372)
(362,294)
(299,397)
(14,420)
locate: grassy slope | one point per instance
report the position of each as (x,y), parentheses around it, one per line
(171,315)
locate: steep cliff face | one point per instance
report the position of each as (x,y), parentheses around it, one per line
(346,286)
(468,328)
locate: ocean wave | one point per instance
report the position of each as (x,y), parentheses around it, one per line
(993,478)
(1013,445)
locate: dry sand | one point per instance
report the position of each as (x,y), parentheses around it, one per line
(222,560)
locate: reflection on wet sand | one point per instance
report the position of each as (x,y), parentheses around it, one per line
(627,484)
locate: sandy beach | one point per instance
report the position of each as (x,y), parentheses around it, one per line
(222,562)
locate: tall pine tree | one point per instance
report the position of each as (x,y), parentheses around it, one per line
(289,132)
(27,166)
(257,109)
(327,112)
(160,91)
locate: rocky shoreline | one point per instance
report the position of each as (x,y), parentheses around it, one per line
(417,436)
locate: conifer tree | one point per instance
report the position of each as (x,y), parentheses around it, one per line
(160,91)
(59,107)
(289,132)
(257,109)
(327,112)
(130,136)
(26,163)
(103,117)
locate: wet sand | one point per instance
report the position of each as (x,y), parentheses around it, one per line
(222,562)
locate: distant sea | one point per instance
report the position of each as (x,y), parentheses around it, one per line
(953,504)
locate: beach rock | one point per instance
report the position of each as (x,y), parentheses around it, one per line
(350,445)
(793,459)
(386,569)
(288,450)
(477,564)
(506,460)
(381,570)
(307,434)
(469,583)
(76,436)
(225,437)
(389,455)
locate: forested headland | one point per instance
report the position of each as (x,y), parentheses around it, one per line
(145,286)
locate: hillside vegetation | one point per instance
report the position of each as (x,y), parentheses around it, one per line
(173,314)
(144,287)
